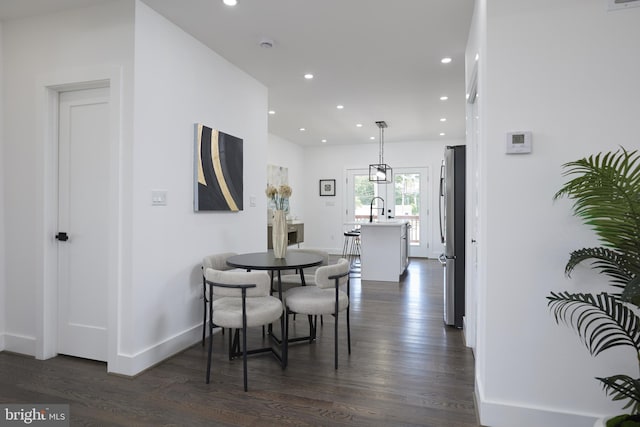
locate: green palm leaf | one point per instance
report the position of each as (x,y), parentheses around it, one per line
(622,387)
(620,267)
(605,190)
(631,292)
(606,194)
(601,321)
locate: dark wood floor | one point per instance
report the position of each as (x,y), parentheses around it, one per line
(406,369)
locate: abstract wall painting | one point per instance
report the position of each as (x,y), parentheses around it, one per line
(218,170)
(277,175)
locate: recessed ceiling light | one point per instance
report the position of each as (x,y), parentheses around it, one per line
(324,141)
(444,98)
(340,107)
(359,125)
(308,76)
(272,112)
(445,60)
(230,2)
(372,137)
(302,129)
(444,119)
(442,134)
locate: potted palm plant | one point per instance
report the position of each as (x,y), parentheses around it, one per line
(605,190)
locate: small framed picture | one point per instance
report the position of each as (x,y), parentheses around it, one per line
(327,187)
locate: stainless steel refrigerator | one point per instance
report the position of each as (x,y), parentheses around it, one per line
(452,232)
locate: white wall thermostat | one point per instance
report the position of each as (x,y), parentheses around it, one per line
(518,142)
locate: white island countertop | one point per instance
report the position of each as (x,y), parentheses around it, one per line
(384,247)
(387,223)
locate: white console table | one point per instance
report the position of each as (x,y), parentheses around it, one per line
(295,234)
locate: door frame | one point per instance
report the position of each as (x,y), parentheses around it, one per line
(425,204)
(45,172)
(474,211)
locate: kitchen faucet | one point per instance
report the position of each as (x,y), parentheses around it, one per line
(371,208)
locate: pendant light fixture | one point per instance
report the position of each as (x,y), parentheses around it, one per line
(380,172)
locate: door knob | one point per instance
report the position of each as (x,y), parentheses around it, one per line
(62,236)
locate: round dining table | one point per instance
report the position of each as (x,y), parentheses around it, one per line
(267,261)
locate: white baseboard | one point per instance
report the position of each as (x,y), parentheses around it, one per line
(133,364)
(509,414)
(124,364)
(18,344)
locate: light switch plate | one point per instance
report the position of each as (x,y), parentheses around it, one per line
(159,197)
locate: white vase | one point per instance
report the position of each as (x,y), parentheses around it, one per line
(279,235)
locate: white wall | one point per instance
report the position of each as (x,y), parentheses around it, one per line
(3,282)
(177,82)
(324,216)
(180,82)
(34,50)
(567,71)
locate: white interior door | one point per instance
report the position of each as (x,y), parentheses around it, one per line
(83,180)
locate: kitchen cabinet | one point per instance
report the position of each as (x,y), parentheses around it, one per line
(384,250)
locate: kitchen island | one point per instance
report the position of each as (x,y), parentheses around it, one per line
(384,250)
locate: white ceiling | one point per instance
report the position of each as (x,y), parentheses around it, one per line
(378,58)
(12,9)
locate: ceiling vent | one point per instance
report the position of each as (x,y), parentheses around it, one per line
(622,4)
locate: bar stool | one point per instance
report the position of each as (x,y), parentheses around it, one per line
(351,248)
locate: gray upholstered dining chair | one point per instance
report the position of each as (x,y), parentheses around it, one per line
(240,300)
(217,262)
(289,280)
(330,295)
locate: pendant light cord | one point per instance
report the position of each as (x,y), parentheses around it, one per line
(381,126)
(381,151)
